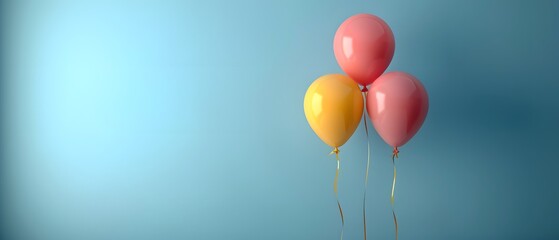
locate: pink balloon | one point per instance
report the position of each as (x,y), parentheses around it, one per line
(397,104)
(364,46)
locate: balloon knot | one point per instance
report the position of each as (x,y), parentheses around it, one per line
(365,89)
(336,150)
(395,152)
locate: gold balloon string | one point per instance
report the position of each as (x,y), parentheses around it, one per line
(337,151)
(367,170)
(394,154)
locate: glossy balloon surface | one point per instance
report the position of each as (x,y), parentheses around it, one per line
(397,104)
(334,107)
(364,47)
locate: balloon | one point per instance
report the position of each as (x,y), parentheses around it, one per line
(364,46)
(397,104)
(333,107)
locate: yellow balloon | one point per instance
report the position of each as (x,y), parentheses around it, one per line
(334,107)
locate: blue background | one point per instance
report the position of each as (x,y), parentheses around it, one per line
(184,120)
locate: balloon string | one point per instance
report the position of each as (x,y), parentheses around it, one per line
(394,154)
(337,151)
(367,170)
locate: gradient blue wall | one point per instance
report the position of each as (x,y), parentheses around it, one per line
(184,120)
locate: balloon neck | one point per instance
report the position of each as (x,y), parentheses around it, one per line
(365,89)
(337,152)
(395,152)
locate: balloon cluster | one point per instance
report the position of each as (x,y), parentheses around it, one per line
(396,102)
